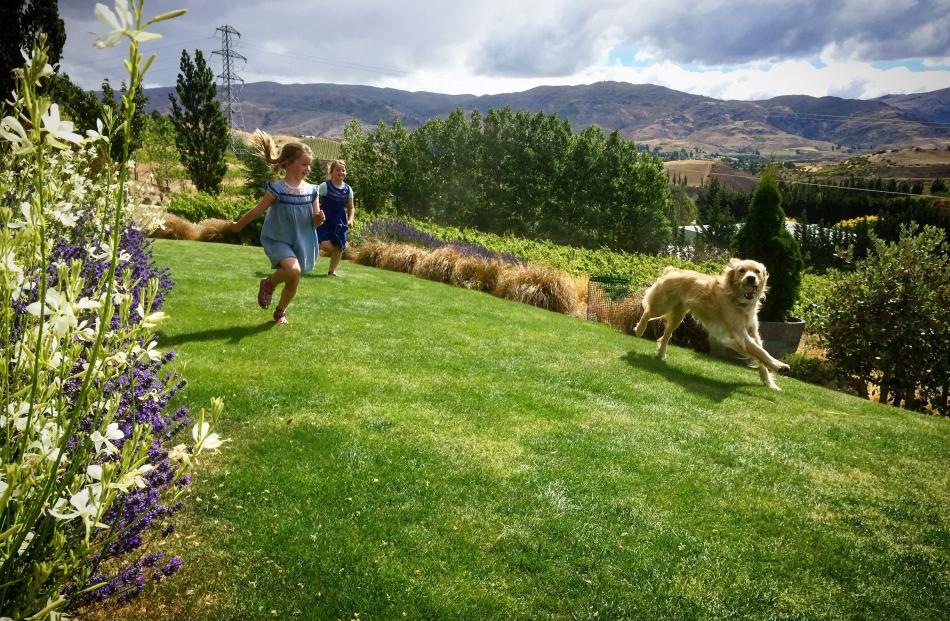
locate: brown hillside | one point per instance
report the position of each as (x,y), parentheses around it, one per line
(698,173)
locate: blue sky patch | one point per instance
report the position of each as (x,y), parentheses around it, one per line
(626,56)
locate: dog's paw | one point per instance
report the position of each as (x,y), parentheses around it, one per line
(782,368)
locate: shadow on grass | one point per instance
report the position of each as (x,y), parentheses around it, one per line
(713,389)
(232,335)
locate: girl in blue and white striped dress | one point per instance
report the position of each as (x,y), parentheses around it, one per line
(289,235)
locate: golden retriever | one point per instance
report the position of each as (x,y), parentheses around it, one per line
(727,305)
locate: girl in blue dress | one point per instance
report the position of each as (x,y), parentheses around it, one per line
(289,235)
(335,199)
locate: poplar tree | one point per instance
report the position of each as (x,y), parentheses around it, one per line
(201,129)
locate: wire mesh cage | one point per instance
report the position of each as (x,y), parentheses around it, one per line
(602,293)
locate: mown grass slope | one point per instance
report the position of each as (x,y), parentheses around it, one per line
(404,449)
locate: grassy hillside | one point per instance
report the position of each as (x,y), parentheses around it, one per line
(404,449)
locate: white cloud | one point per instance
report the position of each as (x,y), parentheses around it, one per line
(746,50)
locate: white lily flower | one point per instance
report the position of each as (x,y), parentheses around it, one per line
(87,304)
(134,477)
(203,439)
(85,507)
(94,472)
(12,131)
(149,352)
(93,135)
(112,433)
(58,129)
(152,319)
(179,453)
(65,218)
(120,24)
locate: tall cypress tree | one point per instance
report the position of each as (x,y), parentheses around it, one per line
(764,238)
(201,129)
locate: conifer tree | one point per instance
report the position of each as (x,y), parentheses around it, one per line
(201,129)
(764,238)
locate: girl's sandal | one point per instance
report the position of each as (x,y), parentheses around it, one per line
(265,292)
(280,316)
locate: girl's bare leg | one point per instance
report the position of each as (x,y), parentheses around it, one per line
(287,272)
(334,252)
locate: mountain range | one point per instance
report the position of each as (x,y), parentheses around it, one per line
(645,113)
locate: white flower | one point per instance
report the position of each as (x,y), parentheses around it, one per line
(66,218)
(12,130)
(94,472)
(152,319)
(26,543)
(134,477)
(121,23)
(150,352)
(93,135)
(58,129)
(112,433)
(180,454)
(17,414)
(85,507)
(203,439)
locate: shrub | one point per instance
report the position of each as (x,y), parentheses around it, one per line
(200,206)
(764,238)
(811,369)
(889,324)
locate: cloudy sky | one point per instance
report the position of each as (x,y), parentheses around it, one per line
(720,48)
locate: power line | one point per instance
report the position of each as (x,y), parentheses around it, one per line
(330,61)
(820,185)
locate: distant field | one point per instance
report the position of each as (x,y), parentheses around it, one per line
(698,172)
(324,148)
(891,164)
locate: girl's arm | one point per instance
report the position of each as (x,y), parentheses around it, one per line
(266,201)
(350,210)
(318,215)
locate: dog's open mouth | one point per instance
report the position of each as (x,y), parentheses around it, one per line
(750,294)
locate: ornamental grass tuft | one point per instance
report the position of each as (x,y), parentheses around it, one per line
(399,257)
(477,273)
(538,286)
(438,264)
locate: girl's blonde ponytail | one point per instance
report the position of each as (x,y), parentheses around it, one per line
(265,147)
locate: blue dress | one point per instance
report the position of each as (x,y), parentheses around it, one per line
(333,202)
(288,226)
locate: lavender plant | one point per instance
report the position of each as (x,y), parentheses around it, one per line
(84,468)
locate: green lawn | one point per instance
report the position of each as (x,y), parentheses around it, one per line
(404,449)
